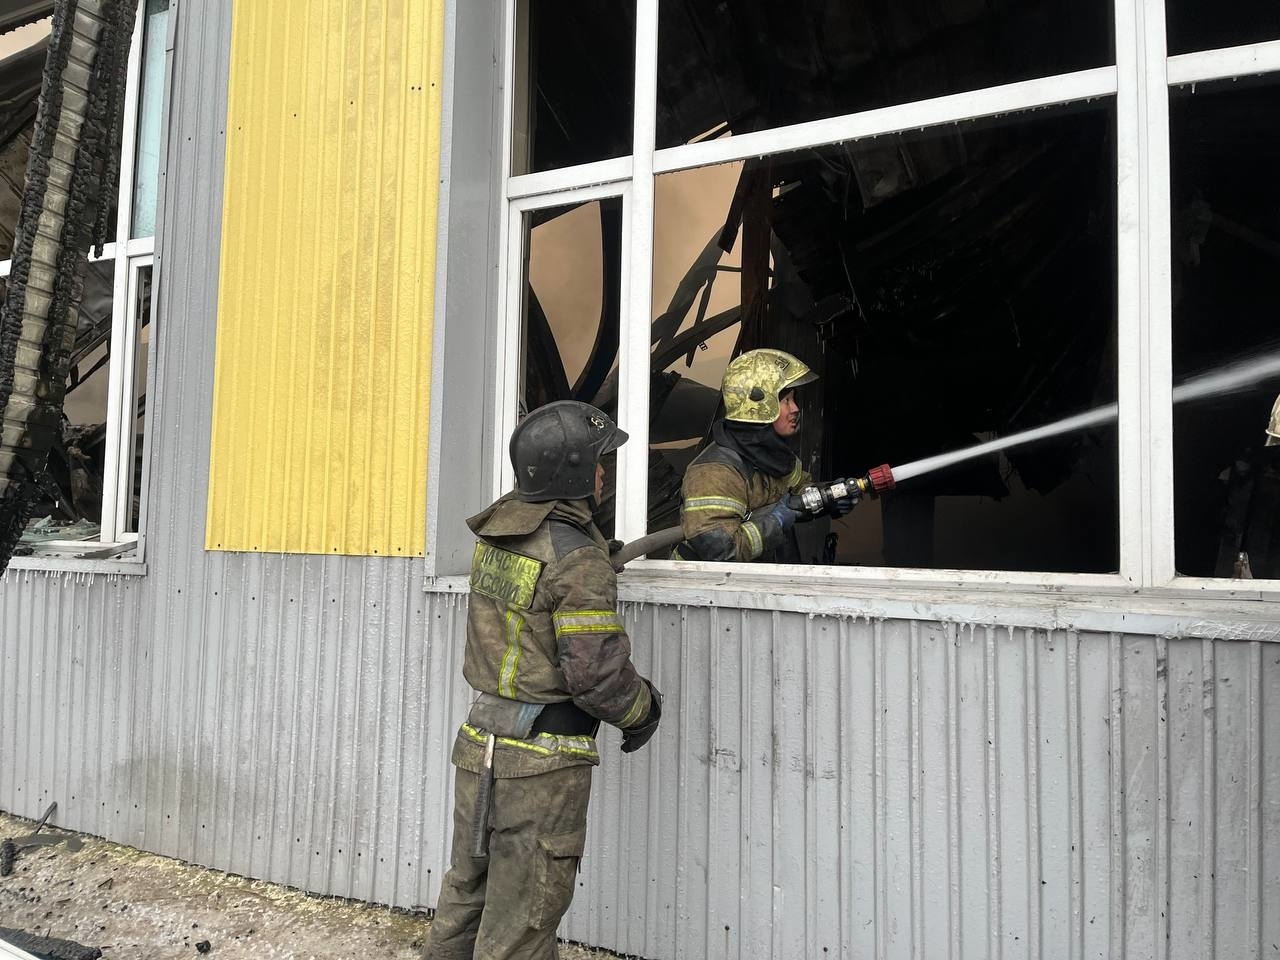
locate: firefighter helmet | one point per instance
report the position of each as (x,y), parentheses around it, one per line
(554,450)
(754,382)
(1273,428)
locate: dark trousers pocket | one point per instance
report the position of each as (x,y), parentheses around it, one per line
(554,877)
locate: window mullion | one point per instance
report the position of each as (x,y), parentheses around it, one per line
(129,134)
(1157,313)
(1142,285)
(118,374)
(633,377)
(120,377)
(1225,63)
(507,333)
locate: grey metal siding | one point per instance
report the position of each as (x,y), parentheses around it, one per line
(902,789)
(821,786)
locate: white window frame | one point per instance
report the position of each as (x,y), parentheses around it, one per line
(130,255)
(1140,82)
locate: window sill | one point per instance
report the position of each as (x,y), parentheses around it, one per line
(1104,604)
(62,564)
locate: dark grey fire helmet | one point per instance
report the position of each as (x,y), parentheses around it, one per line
(554,450)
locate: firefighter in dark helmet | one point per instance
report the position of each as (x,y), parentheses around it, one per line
(550,661)
(735,491)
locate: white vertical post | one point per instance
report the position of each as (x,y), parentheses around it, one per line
(506,330)
(1158,293)
(120,377)
(633,376)
(129,414)
(1144,381)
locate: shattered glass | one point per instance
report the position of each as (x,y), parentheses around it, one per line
(570,321)
(71,486)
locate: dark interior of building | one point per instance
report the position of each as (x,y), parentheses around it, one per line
(1225,150)
(948,285)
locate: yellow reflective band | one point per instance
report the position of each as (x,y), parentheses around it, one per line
(577,746)
(794,476)
(756,540)
(633,714)
(586,621)
(504,575)
(696,504)
(511,659)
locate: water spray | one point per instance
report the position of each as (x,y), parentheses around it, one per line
(826,499)
(1227,380)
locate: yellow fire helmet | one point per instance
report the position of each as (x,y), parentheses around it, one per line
(1273,428)
(754,381)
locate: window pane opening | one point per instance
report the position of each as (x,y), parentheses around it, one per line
(570,310)
(1208,24)
(150,102)
(574,83)
(137,412)
(1225,148)
(727,68)
(949,286)
(69,508)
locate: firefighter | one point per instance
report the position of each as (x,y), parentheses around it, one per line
(735,491)
(550,660)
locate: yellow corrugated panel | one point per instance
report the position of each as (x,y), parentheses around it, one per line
(328,266)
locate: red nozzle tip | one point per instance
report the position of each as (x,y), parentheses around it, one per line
(882,478)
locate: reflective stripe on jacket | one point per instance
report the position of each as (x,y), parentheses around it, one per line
(542,619)
(720,492)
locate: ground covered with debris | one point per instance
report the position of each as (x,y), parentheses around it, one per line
(138,906)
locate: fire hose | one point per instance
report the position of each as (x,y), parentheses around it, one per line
(816,500)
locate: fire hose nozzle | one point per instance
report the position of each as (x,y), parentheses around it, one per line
(881,479)
(824,499)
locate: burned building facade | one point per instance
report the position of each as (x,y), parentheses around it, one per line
(1026,704)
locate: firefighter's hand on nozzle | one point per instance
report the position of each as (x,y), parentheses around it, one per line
(788,511)
(633,738)
(841,507)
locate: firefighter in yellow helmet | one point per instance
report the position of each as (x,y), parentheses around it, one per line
(735,491)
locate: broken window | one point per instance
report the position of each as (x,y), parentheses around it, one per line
(92,490)
(727,68)
(573,261)
(574,83)
(949,286)
(1209,24)
(963,271)
(571,293)
(1225,150)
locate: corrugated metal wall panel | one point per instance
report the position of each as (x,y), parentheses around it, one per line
(68,698)
(328,269)
(819,787)
(826,787)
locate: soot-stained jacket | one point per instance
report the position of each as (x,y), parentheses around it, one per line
(721,491)
(542,619)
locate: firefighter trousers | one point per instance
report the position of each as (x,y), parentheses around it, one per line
(508,905)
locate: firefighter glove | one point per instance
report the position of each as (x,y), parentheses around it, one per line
(785,513)
(633,738)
